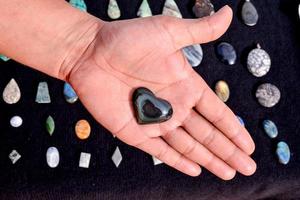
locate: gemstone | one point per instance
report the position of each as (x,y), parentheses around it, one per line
(249,13)
(222,90)
(171,9)
(42,95)
(11,93)
(82,129)
(50,125)
(258,62)
(268,95)
(194,54)
(4,58)
(144,10)
(270,128)
(283,153)
(80,4)
(14,156)
(69,93)
(156,161)
(16,121)
(117,157)
(84,161)
(241,120)
(226,53)
(150,109)
(113,9)
(203,8)
(52,157)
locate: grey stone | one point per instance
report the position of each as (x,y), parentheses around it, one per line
(14,156)
(203,8)
(249,13)
(84,161)
(42,95)
(171,9)
(258,62)
(194,54)
(117,157)
(11,93)
(268,95)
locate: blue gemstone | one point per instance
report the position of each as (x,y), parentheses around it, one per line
(226,53)
(283,153)
(270,128)
(70,94)
(241,120)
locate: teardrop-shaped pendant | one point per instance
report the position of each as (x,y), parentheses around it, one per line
(11,93)
(249,13)
(171,9)
(80,4)
(144,10)
(113,10)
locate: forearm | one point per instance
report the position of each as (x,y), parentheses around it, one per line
(47,35)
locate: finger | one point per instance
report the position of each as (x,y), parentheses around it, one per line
(216,142)
(180,140)
(215,111)
(161,150)
(186,32)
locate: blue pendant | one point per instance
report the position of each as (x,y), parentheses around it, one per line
(69,93)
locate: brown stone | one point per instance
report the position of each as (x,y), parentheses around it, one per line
(82,129)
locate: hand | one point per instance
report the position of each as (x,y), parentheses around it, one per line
(146,52)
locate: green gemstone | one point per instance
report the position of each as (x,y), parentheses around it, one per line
(50,125)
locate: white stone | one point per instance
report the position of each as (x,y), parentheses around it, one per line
(14,156)
(16,121)
(11,93)
(171,9)
(84,160)
(156,161)
(113,10)
(144,10)
(117,157)
(52,157)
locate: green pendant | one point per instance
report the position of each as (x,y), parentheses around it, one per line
(80,4)
(50,125)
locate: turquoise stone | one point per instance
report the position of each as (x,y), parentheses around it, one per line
(69,93)
(80,4)
(283,153)
(270,128)
(42,95)
(241,120)
(50,125)
(4,58)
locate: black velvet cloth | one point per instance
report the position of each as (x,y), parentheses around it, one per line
(136,178)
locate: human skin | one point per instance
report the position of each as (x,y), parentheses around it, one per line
(106,61)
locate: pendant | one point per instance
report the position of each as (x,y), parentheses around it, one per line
(249,13)
(258,62)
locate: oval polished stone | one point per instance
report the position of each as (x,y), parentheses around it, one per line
(194,54)
(171,9)
(82,129)
(226,53)
(144,10)
(241,120)
(268,95)
(203,8)
(16,121)
(283,153)
(52,157)
(258,62)
(113,10)
(50,125)
(222,90)
(270,128)
(11,93)
(249,13)
(69,93)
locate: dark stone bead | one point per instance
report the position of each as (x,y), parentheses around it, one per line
(226,53)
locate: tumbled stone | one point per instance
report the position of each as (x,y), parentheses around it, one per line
(249,13)
(241,120)
(171,9)
(82,129)
(4,58)
(52,157)
(11,93)
(226,53)
(42,95)
(203,8)
(194,54)
(50,125)
(16,121)
(270,128)
(14,156)
(144,10)
(69,93)
(283,153)
(80,4)
(84,161)
(150,109)
(156,161)
(222,90)
(258,62)
(113,10)
(268,95)
(117,157)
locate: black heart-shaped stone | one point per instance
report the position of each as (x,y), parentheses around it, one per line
(149,108)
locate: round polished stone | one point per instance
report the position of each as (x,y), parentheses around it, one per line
(82,129)
(268,95)
(203,8)
(52,157)
(270,128)
(16,121)
(258,62)
(222,90)
(226,53)
(283,153)
(249,13)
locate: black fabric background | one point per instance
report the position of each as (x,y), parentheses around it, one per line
(136,178)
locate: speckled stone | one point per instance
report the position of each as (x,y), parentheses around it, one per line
(258,62)
(16,121)
(69,93)
(283,153)
(80,4)
(4,58)
(171,9)
(270,128)
(226,53)
(249,13)
(84,161)
(203,8)
(113,10)
(268,95)
(194,54)
(222,90)
(82,129)
(144,9)
(14,156)
(150,109)
(42,95)
(241,120)
(50,125)
(52,157)
(11,93)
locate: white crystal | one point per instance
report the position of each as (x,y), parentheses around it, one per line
(117,157)
(156,161)
(52,157)
(171,9)
(42,95)
(14,156)
(84,161)
(144,10)
(113,10)
(16,121)
(11,93)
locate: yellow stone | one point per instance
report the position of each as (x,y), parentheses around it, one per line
(222,90)
(82,129)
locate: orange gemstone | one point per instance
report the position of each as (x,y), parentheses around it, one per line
(83,129)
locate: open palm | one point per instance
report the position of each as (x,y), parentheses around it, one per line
(146,53)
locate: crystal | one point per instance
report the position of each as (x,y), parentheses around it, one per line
(268,95)
(14,156)
(50,125)
(283,153)
(42,95)
(16,121)
(69,93)
(144,10)
(82,129)
(113,9)
(203,8)
(117,157)
(84,160)
(258,62)
(249,13)
(52,157)
(11,93)
(222,90)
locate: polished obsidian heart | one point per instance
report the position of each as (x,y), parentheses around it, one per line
(149,108)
